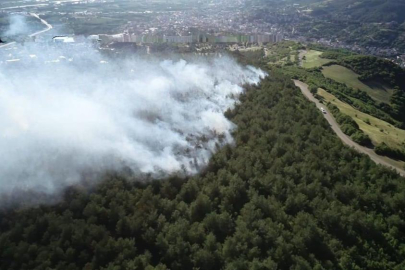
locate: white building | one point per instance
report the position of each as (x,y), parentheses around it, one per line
(63,39)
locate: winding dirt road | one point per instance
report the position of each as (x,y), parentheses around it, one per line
(345,139)
(48,27)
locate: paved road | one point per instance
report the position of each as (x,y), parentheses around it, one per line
(48,27)
(345,139)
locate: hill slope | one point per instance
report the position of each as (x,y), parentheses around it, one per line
(375,23)
(371,11)
(289,195)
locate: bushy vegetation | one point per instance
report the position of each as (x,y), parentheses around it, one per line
(398,103)
(283,53)
(356,98)
(349,126)
(373,68)
(385,150)
(330,53)
(335,54)
(249,57)
(288,195)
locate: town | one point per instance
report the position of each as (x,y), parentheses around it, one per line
(189,22)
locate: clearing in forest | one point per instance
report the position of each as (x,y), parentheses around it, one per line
(312,59)
(378,130)
(346,76)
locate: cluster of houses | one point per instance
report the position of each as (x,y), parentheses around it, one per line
(195,38)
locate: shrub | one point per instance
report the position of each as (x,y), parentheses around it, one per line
(361,138)
(385,150)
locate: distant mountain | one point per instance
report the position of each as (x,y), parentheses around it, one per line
(372,11)
(375,26)
(368,23)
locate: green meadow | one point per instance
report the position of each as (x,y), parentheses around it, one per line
(344,75)
(312,59)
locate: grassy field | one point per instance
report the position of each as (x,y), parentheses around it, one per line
(378,130)
(344,75)
(312,59)
(292,57)
(280,53)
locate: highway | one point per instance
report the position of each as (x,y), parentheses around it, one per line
(345,139)
(48,27)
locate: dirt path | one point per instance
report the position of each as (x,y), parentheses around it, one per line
(301,55)
(48,27)
(346,139)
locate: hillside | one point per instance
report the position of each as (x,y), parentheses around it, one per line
(364,11)
(375,23)
(288,195)
(367,92)
(372,69)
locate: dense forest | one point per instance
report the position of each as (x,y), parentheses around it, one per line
(287,195)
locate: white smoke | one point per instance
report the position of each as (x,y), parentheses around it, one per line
(17,25)
(64,113)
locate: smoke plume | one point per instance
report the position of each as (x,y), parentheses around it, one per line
(17,26)
(65,111)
